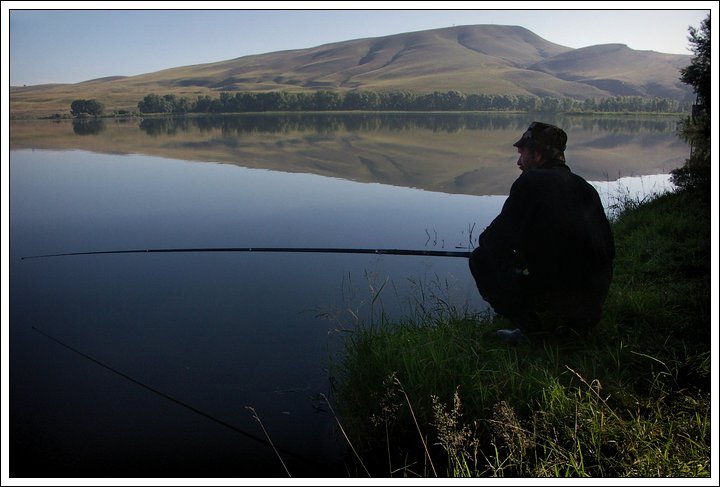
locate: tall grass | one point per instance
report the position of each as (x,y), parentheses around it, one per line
(437,394)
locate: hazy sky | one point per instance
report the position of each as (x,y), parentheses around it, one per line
(56,42)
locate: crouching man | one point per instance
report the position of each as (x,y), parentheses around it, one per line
(546,261)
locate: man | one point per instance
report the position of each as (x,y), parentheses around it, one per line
(545,262)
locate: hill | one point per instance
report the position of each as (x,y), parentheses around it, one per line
(490,59)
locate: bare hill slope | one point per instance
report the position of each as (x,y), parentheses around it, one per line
(490,59)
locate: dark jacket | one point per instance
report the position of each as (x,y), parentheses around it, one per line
(546,260)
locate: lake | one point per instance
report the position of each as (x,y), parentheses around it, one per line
(146,364)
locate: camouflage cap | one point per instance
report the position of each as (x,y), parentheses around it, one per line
(545,138)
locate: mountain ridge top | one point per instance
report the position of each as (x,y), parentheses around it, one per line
(485,58)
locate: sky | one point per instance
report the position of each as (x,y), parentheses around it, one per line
(70,42)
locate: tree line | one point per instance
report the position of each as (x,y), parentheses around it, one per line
(281,101)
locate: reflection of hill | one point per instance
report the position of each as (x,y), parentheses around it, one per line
(452,153)
(330,123)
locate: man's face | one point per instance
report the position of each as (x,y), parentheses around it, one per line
(529,159)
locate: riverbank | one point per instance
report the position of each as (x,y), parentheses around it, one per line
(439,395)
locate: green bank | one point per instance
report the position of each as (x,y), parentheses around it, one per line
(437,394)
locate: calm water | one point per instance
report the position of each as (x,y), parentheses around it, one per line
(222,332)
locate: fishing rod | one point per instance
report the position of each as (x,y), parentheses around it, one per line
(323,250)
(176,401)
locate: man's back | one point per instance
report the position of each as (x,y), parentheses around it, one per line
(554,241)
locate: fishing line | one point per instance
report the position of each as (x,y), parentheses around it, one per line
(176,401)
(429,253)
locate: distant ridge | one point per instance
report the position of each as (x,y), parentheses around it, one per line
(490,59)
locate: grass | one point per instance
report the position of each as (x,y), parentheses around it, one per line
(438,395)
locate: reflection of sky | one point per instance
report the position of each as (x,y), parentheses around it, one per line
(631,189)
(78,200)
(218,331)
(74,201)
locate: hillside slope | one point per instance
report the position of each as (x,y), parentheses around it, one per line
(490,59)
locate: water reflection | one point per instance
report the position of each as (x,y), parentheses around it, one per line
(216,331)
(225,331)
(451,153)
(91,126)
(449,123)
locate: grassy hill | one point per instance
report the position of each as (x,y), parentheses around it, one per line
(490,59)
(617,68)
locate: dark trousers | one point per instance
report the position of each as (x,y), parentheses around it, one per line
(539,305)
(502,285)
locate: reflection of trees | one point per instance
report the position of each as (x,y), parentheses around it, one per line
(387,122)
(630,126)
(164,126)
(88,126)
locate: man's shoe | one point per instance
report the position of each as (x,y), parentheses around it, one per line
(511,336)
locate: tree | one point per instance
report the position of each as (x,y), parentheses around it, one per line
(698,73)
(85,108)
(695,130)
(326,100)
(152,104)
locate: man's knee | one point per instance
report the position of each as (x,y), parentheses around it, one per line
(497,282)
(483,270)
